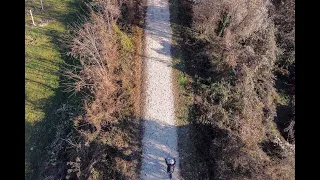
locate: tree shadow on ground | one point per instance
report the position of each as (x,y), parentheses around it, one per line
(191,155)
(40,134)
(192,137)
(194,148)
(283,120)
(182,31)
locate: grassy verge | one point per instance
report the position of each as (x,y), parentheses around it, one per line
(192,163)
(131,38)
(43,95)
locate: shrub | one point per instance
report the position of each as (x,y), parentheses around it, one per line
(236,44)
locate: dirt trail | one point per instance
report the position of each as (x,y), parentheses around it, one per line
(160,133)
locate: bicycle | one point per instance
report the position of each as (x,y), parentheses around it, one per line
(170,165)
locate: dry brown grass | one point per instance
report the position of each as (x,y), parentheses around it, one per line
(138,42)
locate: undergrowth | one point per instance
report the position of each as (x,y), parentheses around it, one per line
(232,50)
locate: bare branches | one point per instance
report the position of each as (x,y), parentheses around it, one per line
(97,74)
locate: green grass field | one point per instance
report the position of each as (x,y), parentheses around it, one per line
(43,59)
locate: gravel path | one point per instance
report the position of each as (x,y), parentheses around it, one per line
(160,134)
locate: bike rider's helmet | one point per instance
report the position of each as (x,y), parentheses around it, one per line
(170,161)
